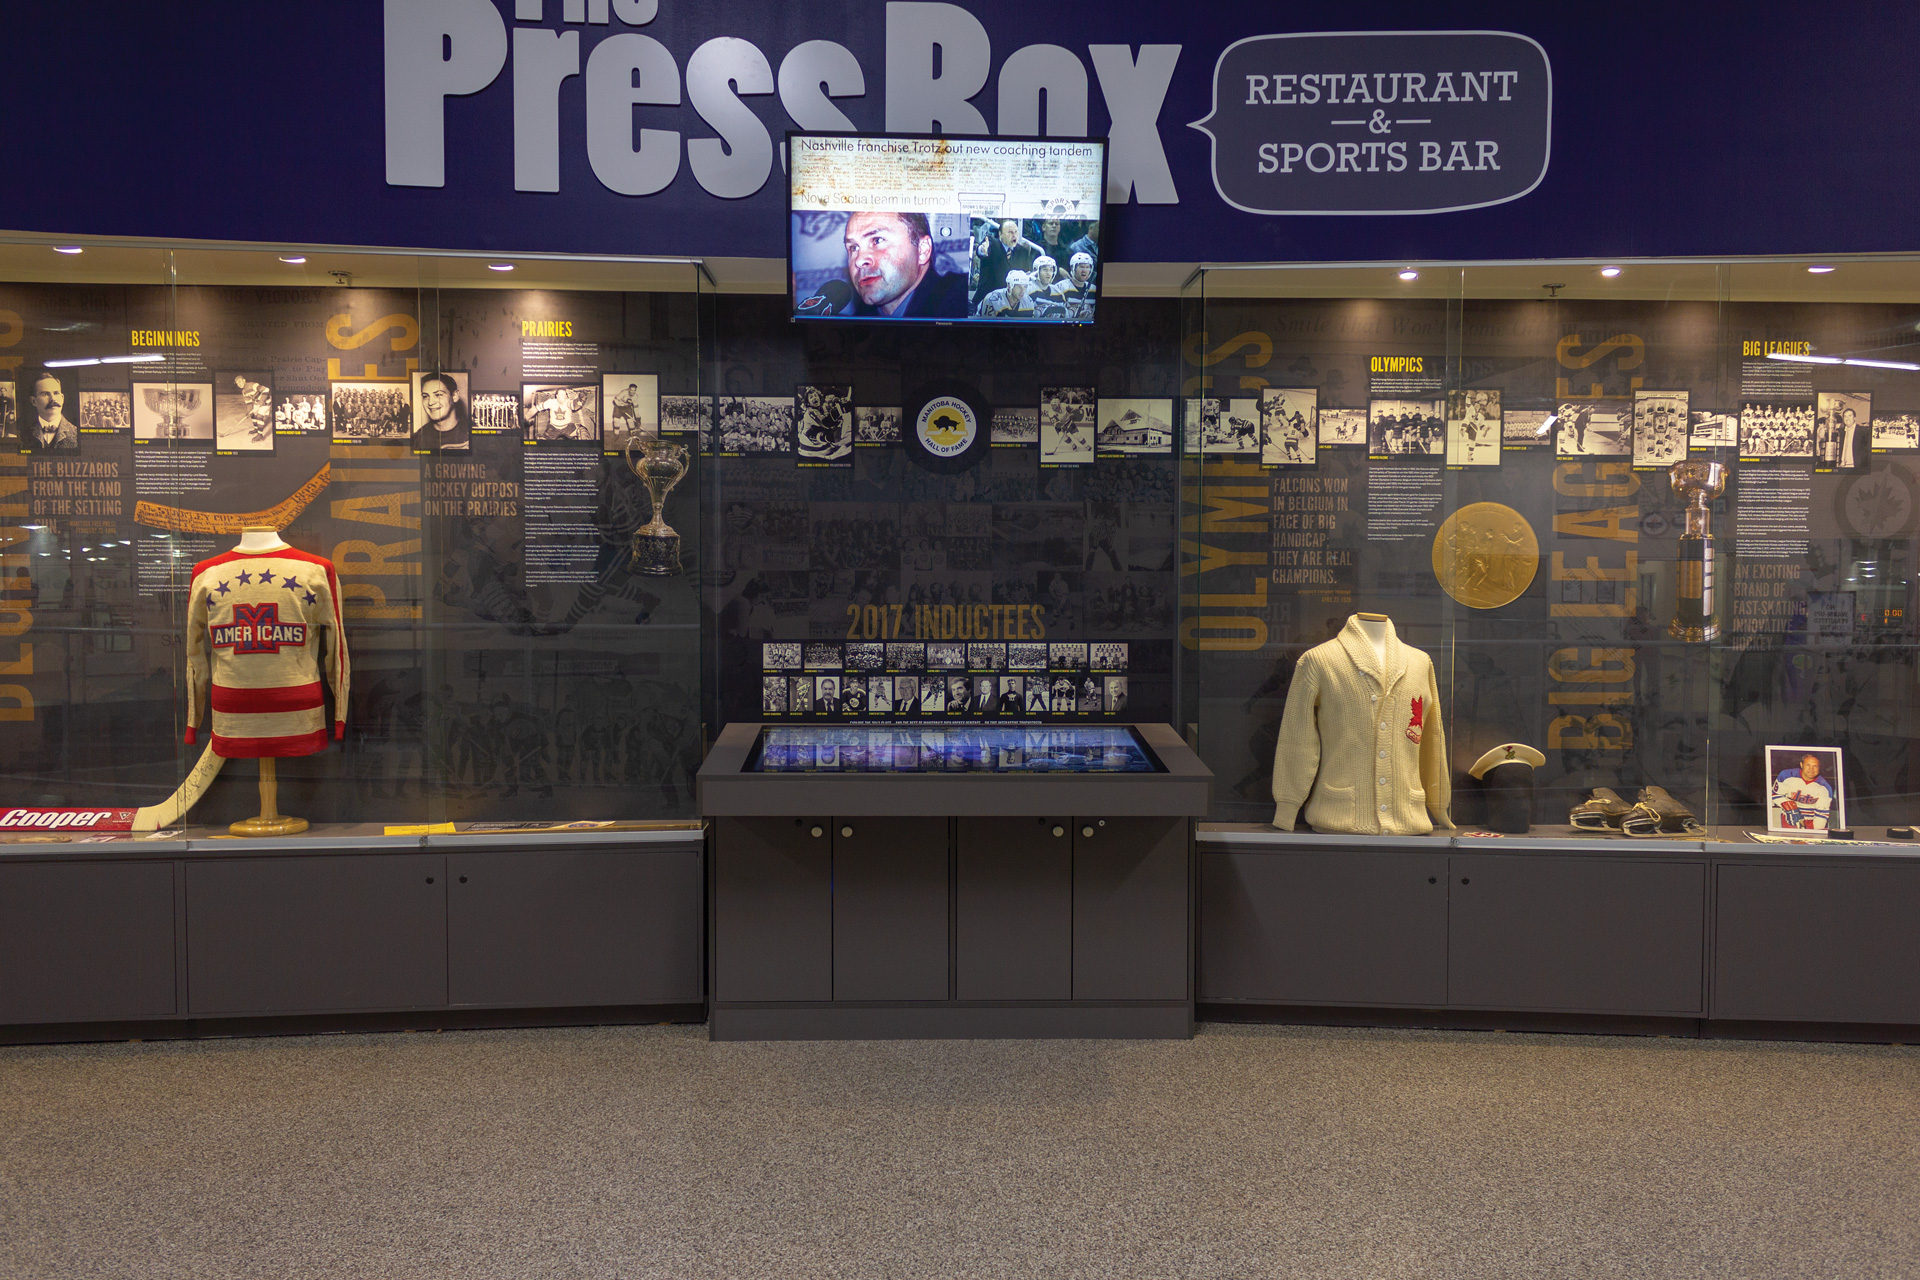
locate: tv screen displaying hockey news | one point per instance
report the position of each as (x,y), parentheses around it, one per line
(968,748)
(945,230)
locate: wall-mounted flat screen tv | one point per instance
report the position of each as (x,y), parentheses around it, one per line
(945,230)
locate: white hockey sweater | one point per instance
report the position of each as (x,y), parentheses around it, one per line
(262,627)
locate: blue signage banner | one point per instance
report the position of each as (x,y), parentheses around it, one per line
(1468,132)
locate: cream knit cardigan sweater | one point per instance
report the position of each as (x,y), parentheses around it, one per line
(1360,744)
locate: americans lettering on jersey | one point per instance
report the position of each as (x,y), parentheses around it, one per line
(257,628)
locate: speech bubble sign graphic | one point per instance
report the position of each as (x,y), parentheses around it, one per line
(1379,122)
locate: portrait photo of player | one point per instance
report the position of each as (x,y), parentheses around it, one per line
(1842,430)
(46,424)
(1473,427)
(442,422)
(1289,426)
(1804,790)
(9,415)
(633,408)
(243,412)
(1661,428)
(564,413)
(169,411)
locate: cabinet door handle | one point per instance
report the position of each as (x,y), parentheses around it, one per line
(1464,880)
(463,879)
(846,832)
(429,879)
(1433,879)
(1059,831)
(1086,831)
(817,832)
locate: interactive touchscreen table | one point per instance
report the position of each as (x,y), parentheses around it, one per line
(951,880)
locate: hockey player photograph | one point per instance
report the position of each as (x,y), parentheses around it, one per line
(633,408)
(823,425)
(441,420)
(1595,427)
(1804,790)
(1066,426)
(1473,427)
(243,412)
(1289,426)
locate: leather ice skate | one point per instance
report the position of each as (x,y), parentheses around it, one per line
(1602,811)
(1658,814)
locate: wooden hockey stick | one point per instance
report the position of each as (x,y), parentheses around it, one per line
(175,806)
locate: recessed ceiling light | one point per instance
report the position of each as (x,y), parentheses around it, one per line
(499,266)
(293,259)
(68,248)
(1818,270)
(1609,272)
(1409,274)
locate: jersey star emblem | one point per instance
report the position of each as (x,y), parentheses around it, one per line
(266,575)
(223,588)
(311,598)
(290,582)
(245,577)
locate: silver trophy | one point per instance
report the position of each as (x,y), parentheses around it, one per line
(174,405)
(660,465)
(1698,484)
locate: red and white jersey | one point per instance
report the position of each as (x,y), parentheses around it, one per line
(262,627)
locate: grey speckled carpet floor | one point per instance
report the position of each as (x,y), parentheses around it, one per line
(1249,1151)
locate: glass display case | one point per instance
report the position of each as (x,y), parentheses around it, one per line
(1653,521)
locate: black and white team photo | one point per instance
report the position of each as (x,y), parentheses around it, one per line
(1525,428)
(1661,428)
(300,412)
(823,424)
(1289,426)
(683,415)
(1405,429)
(495,412)
(1774,430)
(1473,427)
(1066,426)
(751,425)
(1014,427)
(371,412)
(106,411)
(1897,431)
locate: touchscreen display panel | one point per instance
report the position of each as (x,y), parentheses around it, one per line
(952,749)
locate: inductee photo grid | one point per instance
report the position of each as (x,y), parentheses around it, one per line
(1661,430)
(902,680)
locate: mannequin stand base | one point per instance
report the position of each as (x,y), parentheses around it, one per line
(278,825)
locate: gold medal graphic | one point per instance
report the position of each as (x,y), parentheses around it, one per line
(1485,555)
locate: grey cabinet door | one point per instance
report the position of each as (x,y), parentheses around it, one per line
(319,934)
(1323,926)
(890,909)
(1014,909)
(1588,935)
(86,940)
(1817,943)
(773,909)
(1130,909)
(562,927)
